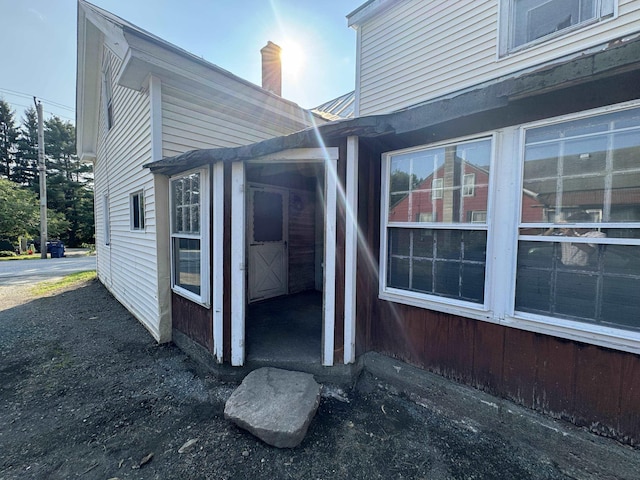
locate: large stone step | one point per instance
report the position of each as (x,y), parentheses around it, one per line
(275,405)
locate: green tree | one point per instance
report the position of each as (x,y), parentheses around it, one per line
(8,137)
(68,182)
(26,170)
(19,211)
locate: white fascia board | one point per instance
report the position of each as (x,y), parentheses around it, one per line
(88,78)
(300,155)
(113,34)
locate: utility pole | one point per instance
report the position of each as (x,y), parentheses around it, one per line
(42,171)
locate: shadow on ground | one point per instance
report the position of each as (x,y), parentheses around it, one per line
(87,393)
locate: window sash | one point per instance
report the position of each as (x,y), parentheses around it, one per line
(189,204)
(517,31)
(583,253)
(451,277)
(137,210)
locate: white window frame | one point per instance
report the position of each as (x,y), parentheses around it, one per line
(204,236)
(107,92)
(437,187)
(423,300)
(469,189)
(141,211)
(106,219)
(502,243)
(607,10)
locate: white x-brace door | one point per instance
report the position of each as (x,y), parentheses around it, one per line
(267,242)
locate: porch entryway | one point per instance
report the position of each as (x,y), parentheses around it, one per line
(285,225)
(286,329)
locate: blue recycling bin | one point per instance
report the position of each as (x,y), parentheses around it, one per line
(56,249)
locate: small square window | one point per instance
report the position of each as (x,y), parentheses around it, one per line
(137,210)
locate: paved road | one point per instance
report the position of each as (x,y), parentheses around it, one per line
(22,272)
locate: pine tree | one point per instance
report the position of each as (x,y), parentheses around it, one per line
(8,137)
(68,181)
(26,171)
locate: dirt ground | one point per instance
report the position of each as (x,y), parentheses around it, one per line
(86,393)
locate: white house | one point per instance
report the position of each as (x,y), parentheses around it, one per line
(140,99)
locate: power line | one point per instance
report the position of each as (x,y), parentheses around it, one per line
(50,102)
(46,111)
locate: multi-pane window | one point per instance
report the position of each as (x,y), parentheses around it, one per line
(437,188)
(136,207)
(529,21)
(469,185)
(579,241)
(189,236)
(431,247)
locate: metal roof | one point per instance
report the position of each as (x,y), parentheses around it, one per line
(338,108)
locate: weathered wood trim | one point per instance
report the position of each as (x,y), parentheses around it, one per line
(300,155)
(351,251)
(237,263)
(329,297)
(217,241)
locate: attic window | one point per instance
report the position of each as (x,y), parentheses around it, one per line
(532,21)
(108,94)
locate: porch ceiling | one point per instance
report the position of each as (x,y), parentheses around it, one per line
(604,75)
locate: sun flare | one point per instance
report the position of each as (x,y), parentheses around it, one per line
(293,58)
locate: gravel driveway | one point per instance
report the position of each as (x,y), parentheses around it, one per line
(86,393)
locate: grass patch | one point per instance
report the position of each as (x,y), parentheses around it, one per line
(35,256)
(45,288)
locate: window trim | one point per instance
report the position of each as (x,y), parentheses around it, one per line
(107,90)
(591,333)
(506,26)
(502,243)
(204,298)
(464,308)
(141,211)
(106,219)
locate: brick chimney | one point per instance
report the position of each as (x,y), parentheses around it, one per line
(271,68)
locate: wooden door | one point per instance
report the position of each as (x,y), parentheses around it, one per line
(267,236)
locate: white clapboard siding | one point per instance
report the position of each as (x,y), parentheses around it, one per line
(200,120)
(128,265)
(419,50)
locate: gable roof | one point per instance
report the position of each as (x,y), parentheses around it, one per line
(143,54)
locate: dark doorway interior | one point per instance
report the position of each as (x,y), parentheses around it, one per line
(285,329)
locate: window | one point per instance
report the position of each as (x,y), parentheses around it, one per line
(107,86)
(550,240)
(446,259)
(531,21)
(437,188)
(579,243)
(136,202)
(478,217)
(105,216)
(189,235)
(468,185)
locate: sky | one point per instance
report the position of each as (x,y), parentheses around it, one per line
(38,57)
